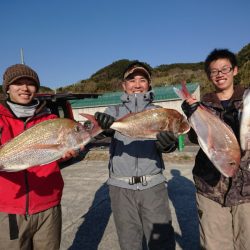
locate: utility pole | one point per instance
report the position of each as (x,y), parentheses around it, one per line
(22,57)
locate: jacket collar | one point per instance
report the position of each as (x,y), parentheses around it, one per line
(212,97)
(40,110)
(137,102)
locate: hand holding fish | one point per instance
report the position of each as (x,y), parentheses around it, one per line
(189,106)
(104,120)
(71,153)
(166,142)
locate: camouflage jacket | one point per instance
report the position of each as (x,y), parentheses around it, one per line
(208,180)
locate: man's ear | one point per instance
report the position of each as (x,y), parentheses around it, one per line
(124,86)
(235,71)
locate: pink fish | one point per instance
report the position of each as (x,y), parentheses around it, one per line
(215,137)
(147,123)
(45,142)
(245,122)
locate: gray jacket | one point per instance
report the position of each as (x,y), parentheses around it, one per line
(134,157)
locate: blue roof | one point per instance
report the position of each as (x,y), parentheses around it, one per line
(106,99)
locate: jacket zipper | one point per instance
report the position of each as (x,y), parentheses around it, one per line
(136,158)
(27,194)
(27,186)
(229,187)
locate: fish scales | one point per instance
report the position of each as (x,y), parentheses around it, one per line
(221,140)
(148,123)
(41,133)
(44,143)
(204,123)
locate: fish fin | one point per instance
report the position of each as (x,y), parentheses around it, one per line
(183,92)
(179,93)
(151,133)
(136,113)
(125,116)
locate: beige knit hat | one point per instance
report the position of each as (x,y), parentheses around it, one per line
(16,72)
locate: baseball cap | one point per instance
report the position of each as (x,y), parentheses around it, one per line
(137,67)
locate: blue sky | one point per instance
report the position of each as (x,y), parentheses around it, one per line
(69,40)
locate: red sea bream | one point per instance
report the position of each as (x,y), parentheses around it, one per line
(215,137)
(45,142)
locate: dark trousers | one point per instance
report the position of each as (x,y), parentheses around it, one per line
(139,213)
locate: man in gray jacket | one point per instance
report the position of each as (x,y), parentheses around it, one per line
(139,198)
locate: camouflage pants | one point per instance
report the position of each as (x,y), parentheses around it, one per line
(38,231)
(226,228)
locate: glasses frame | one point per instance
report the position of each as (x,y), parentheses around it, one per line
(224,71)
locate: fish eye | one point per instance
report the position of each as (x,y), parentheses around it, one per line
(232,163)
(88,125)
(77,128)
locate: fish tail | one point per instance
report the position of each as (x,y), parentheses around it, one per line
(183,92)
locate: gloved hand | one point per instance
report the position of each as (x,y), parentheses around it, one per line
(166,142)
(189,109)
(104,120)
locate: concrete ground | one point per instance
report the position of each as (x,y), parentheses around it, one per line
(87,217)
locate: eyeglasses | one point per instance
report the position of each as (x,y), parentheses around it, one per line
(225,70)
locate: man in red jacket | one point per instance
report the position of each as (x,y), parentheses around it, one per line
(30,211)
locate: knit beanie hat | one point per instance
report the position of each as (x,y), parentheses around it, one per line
(16,72)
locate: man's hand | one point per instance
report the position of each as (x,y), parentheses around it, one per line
(71,153)
(166,142)
(104,120)
(189,108)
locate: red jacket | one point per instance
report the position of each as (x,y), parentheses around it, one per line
(32,190)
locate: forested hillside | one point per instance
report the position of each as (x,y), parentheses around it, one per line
(108,79)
